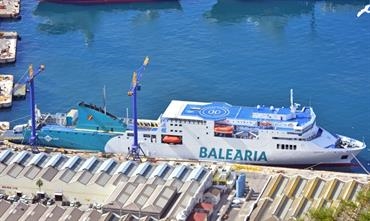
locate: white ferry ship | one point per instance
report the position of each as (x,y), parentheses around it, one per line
(210,131)
(256,135)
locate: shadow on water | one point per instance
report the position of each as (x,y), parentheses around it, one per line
(272,16)
(63,18)
(239,10)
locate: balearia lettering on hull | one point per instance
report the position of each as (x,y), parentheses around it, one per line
(231,154)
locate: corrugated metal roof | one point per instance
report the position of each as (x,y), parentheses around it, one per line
(36,159)
(53,160)
(20,157)
(196,174)
(177,172)
(159,170)
(106,165)
(125,167)
(141,169)
(4,154)
(88,164)
(71,162)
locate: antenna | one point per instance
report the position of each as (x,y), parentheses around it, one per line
(104,100)
(126,115)
(292,105)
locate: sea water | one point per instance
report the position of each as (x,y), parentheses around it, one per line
(244,52)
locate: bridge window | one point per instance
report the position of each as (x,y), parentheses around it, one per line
(344,157)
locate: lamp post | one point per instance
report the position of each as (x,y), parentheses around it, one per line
(31,76)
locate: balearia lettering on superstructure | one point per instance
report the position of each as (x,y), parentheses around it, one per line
(231,154)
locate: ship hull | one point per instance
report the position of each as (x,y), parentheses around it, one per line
(72,139)
(82,2)
(205,148)
(261,152)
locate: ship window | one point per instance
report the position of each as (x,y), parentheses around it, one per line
(111,129)
(175,124)
(344,157)
(175,130)
(180,125)
(130,134)
(291,147)
(146,135)
(171,130)
(206,132)
(180,131)
(295,147)
(171,124)
(282,146)
(198,138)
(97,128)
(277,146)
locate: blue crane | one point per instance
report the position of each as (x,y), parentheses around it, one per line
(134,151)
(30,80)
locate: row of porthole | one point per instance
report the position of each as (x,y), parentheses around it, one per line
(286,146)
(176,125)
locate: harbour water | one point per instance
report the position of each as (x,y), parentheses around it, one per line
(239,51)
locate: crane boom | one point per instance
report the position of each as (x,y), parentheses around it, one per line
(30,79)
(134,151)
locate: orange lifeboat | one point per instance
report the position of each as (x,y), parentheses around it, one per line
(224,129)
(265,124)
(172,139)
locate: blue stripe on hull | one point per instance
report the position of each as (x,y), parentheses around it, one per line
(72,139)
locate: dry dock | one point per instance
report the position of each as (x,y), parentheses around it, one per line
(161,189)
(8,46)
(9,8)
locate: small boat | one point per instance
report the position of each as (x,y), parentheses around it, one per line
(4,125)
(224,129)
(265,124)
(6,88)
(83,2)
(172,139)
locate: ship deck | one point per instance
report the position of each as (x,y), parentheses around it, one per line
(217,111)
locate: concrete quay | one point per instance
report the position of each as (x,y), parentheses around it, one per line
(8,46)
(9,8)
(167,189)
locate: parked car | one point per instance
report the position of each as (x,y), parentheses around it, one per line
(75,204)
(51,201)
(3,196)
